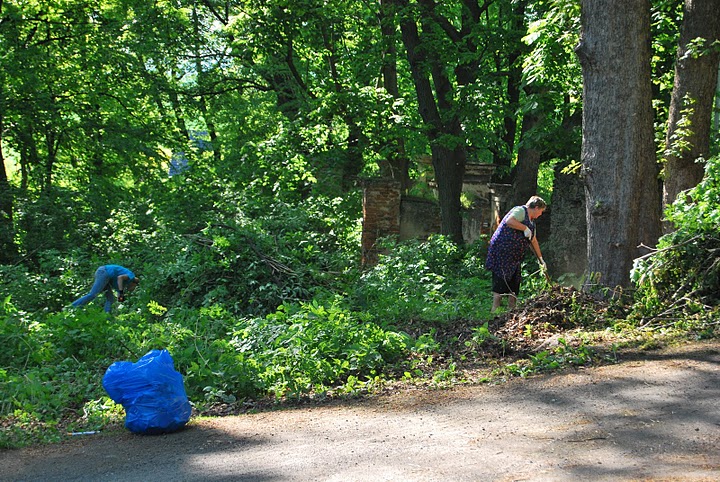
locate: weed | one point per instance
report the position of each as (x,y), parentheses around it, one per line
(481,334)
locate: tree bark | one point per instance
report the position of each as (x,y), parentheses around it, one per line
(514,80)
(618,152)
(525,175)
(52,145)
(693,96)
(29,154)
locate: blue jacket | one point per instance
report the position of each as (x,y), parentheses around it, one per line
(115,270)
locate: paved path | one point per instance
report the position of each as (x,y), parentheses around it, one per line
(657,418)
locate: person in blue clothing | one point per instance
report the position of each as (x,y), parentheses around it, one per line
(515,233)
(108,278)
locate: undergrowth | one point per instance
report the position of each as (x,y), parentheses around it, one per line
(421,316)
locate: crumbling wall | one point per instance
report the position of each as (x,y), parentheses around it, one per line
(381,216)
(419,218)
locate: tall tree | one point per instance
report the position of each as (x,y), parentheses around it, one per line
(464,58)
(440,115)
(8,249)
(618,152)
(510,61)
(693,96)
(525,172)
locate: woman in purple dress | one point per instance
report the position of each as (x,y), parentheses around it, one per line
(507,248)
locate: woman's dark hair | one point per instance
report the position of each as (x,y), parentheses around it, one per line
(536,202)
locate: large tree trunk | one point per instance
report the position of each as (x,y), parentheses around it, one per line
(525,176)
(618,152)
(449,165)
(692,99)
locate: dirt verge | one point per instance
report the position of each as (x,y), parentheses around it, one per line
(653,416)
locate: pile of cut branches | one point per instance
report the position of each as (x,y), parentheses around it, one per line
(549,314)
(521,331)
(688,269)
(682,275)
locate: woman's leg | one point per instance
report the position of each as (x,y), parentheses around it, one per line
(101,281)
(497,297)
(109,298)
(503,286)
(514,288)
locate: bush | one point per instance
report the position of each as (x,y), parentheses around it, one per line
(686,264)
(434,280)
(311,346)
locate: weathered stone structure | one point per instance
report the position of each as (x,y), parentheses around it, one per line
(418,218)
(386,212)
(479,219)
(381,215)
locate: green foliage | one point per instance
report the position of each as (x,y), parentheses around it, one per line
(57,364)
(548,360)
(426,343)
(254,259)
(307,347)
(482,334)
(665,22)
(431,280)
(685,268)
(205,290)
(42,289)
(680,139)
(249,258)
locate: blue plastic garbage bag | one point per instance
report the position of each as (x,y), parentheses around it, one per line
(151,391)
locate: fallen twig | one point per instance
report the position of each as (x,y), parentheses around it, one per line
(667,248)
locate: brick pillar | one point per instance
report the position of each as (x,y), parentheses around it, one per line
(381,215)
(500,195)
